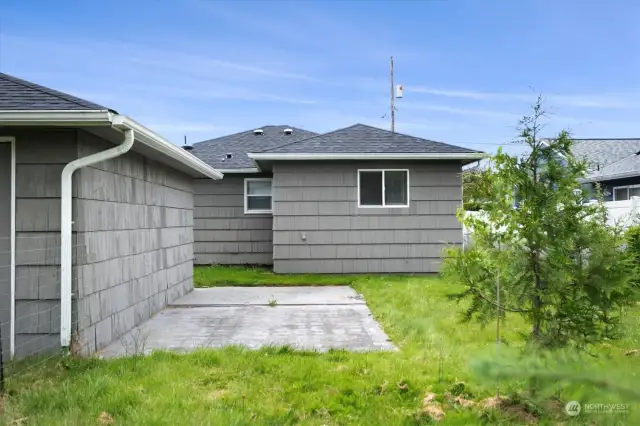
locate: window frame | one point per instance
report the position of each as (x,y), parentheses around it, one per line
(384,206)
(627,187)
(246,196)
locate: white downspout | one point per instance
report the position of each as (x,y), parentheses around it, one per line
(66,222)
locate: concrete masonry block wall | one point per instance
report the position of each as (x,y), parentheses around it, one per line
(135,227)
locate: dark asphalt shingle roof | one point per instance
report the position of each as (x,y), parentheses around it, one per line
(608,158)
(214,151)
(17,94)
(363,139)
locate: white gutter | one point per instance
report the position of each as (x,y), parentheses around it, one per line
(158,143)
(107,118)
(56,118)
(66,222)
(369,156)
(250,170)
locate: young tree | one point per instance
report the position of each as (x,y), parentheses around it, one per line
(560,265)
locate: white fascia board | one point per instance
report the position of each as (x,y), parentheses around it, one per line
(249,170)
(78,118)
(56,118)
(158,143)
(370,156)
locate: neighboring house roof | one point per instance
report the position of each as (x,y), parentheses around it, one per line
(609,158)
(366,141)
(20,95)
(214,151)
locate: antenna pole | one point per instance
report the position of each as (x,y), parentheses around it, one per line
(393,96)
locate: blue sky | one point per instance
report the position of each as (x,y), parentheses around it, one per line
(207,68)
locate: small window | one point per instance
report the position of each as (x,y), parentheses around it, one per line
(621,193)
(257,195)
(383,188)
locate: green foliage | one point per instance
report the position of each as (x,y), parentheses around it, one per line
(558,264)
(473,189)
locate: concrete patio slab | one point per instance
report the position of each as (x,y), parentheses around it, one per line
(241,296)
(315,326)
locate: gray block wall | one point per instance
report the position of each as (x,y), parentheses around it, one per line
(135,224)
(224,234)
(318,200)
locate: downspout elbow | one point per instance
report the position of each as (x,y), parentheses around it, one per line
(66,224)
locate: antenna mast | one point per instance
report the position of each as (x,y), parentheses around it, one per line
(393,97)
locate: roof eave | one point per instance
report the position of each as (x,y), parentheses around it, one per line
(369,156)
(87,118)
(241,170)
(56,117)
(614,176)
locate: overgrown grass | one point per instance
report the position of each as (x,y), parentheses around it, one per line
(278,386)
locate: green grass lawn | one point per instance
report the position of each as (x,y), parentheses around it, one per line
(248,276)
(277,386)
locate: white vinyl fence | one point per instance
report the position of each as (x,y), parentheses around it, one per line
(624,213)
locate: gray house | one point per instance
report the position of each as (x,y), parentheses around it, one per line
(358,199)
(614,164)
(96,221)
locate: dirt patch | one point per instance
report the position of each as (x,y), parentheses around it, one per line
(459,400)
(514,410)
(432,408)
(106,419)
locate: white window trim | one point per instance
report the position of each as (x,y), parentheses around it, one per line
(12,340)
(246,205)
(623,186)
(384,206)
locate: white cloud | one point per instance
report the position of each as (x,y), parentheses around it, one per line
(605,101)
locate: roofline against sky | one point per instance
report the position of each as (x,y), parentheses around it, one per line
(369,156)
(90,118)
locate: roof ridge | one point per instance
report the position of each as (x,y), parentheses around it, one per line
(306,139)
(411,136)
(251,130)
(51,92)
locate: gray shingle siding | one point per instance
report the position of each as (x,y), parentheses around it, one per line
(224,234)
(38,170)
(319,199)
(135,232)
(18,94)
(133,240)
